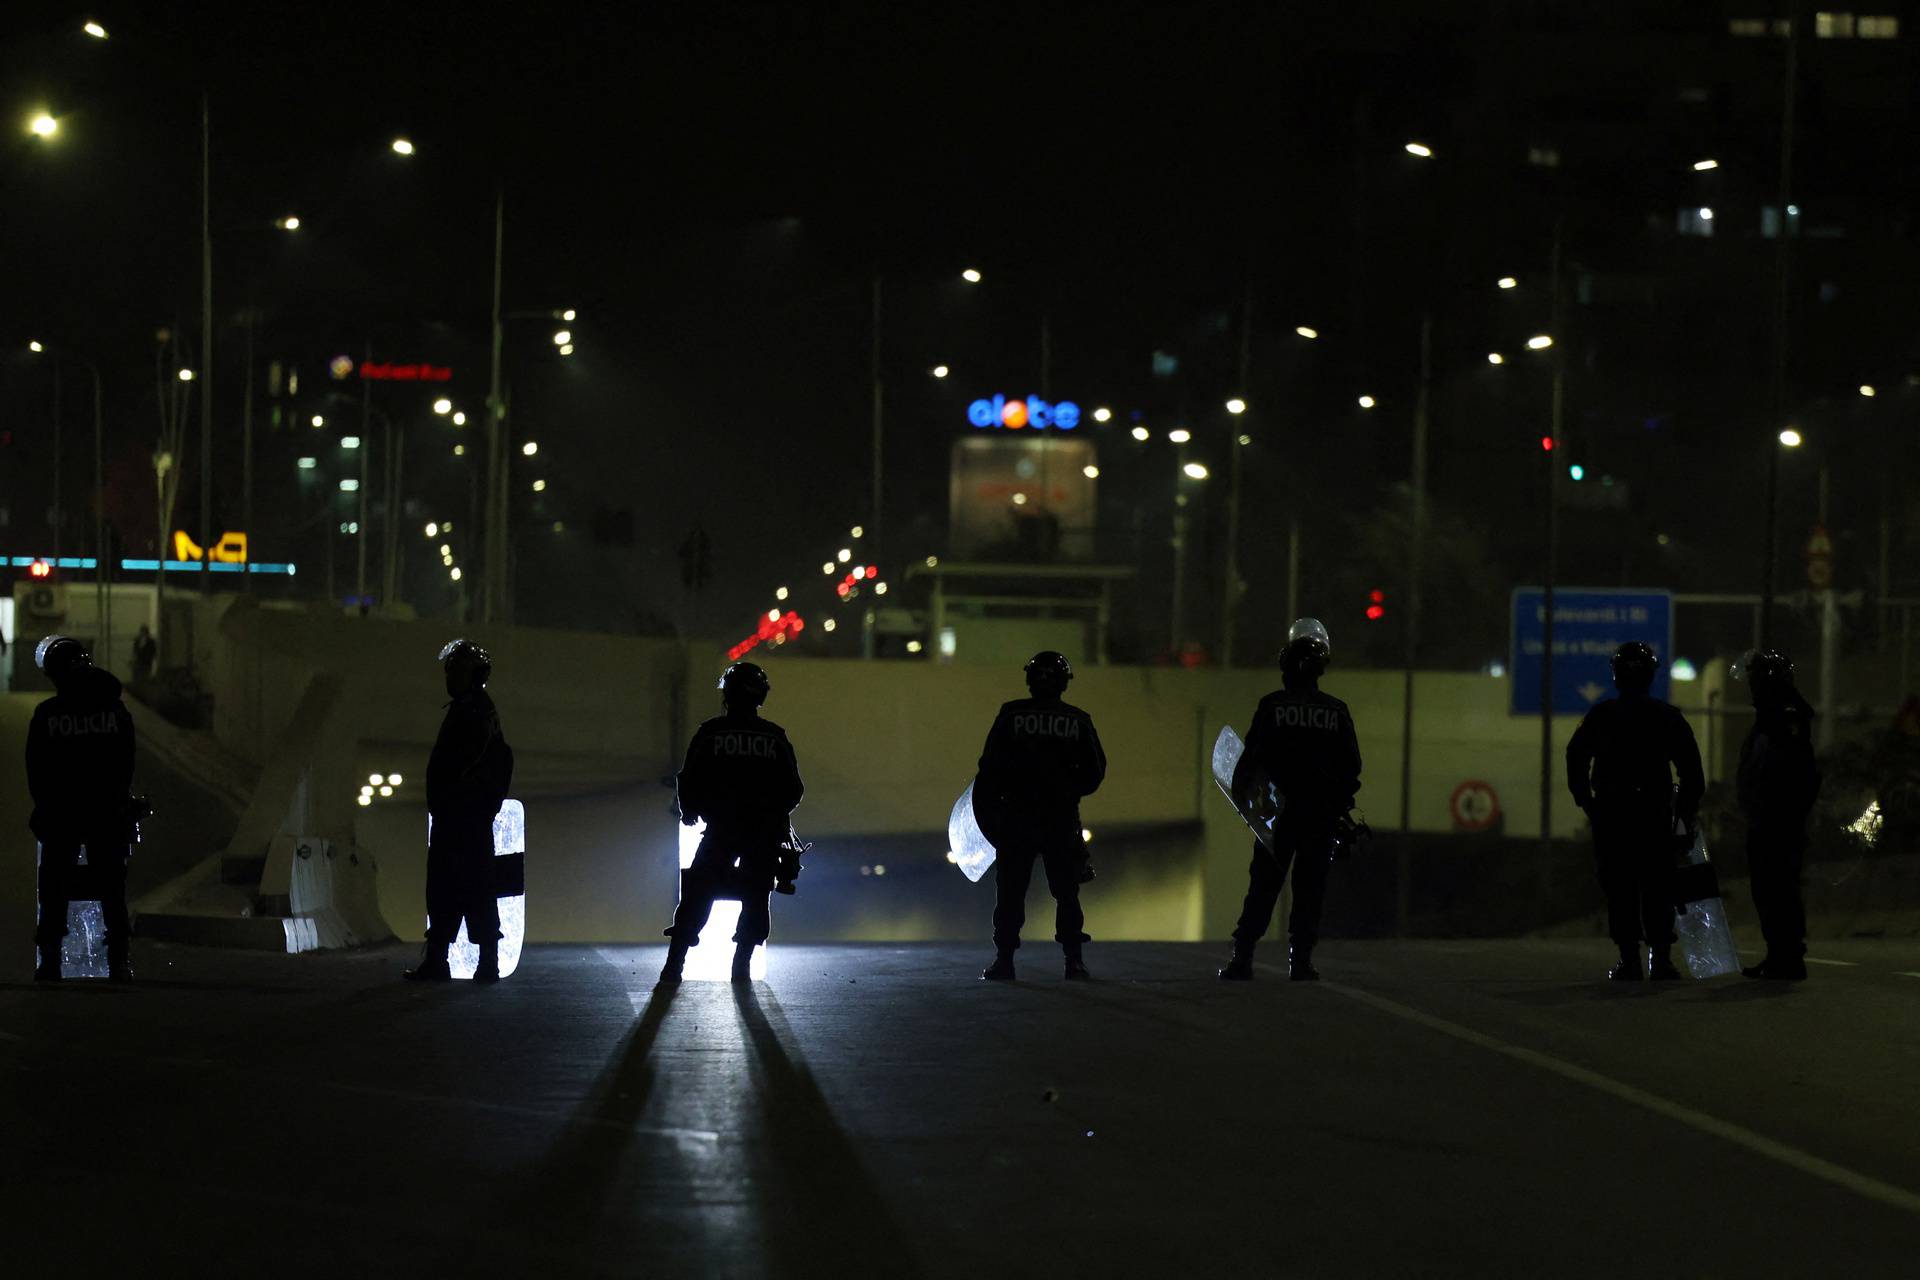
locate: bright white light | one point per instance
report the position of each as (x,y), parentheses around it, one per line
(1706,214)
(433,530)
(712,960)
(530,448)
(563,337)
(366,798)
(1246,439)
(1420,149)
(773,615)
(1086,835)
(1684,670)
(349,485)
(186,375)
(859,572)
(402,147)
(1236,405)
(1305,331)
(1791,438)
(446,548)
(1141,433)
(35,346)
(1090,471)
(568,315)
(1508,282)
(940,371)
(1019,499)
(97,31)
(443,405)
(1868,392)
(1102,414)
(539,486)
(1179,435)
(914,646)
(43,125)
(879,588)
(826,567)
(367,790)
(317,421)
(567,350)
(288,223)
(393,779)
(780,593)
(933,562)
(459,419)
(970,276)
(306,464)
(1366,402)
(858,531)
(846,554)
(375,779)
(1539,342)
(1701,166)
(454,573)
(349,442)
(459,451)
(1195,470)
(830,625)
(1494,357)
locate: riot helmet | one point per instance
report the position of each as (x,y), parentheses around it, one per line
(1048,673)
(1308,650)
(1634,664)
(1304,627)
(60,656)
(744,682)
(1769,676)
(467,666)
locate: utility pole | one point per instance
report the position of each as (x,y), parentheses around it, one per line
(1782,314)
(493,536)
(206,350)
(1556,421)
(102,601)
(366,445)
(246,460)
(1416,552)
(868,640)
(1230,596)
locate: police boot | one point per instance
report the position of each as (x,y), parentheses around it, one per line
(118,967)
(432,966)
(1001,970)
(676,961)
(488,968)
(1660,966)
(48,970)
(743,961)
(1628,969)
(1779,968)
(1076,966)
(1240,967)
(1300,962)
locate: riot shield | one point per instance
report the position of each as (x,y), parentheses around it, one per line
(510,886)
(1700,919)
(967,846)
(1262,803)
(83,952)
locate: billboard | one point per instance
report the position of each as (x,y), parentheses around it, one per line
(1022,498)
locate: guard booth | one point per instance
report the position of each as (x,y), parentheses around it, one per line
(1004,613)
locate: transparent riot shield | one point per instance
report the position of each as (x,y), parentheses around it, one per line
(1262,803)
(967,846)
(83,952)
(1700,921)
(510,885)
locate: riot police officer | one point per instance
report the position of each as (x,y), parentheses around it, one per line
(80,773)
(468,776)
(1778,783)
(1042,756)
(741,777)
(1304,741)
(1622,764)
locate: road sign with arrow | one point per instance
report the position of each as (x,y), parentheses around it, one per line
(1588,625)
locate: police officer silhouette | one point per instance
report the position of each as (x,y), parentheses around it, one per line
(1622,764)
(80,773)
(741,777)
(1042,755)
(468,776)
(1303,739)
(1778,783)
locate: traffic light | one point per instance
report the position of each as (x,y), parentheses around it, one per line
(40,571)
(1376,605)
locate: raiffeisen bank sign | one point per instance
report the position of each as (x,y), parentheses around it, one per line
(1001,413)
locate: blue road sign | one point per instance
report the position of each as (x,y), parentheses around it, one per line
(1588,625)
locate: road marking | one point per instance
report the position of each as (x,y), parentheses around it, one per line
(1905,974)
(1838,964)
(1793,1157)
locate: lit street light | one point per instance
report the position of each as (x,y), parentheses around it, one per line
(34,346)
(402,147)
(1539,342)
(568,315)
(454,573)
(1366,402)
(567,350)
(563,337)
(459,419)
(1420,149)
(1306,332)
(1195,470)
(970,276)
(530,448)
(1090,471)
(1508,282)
(1706,214)
(1141,434)
(1791,438)
(1868,392)
(349,442)
(940,371)
(846,554)
(42,125)
(186,375)
(1236,405)
(1102,414)
(443,406)
(1701,166)
(95,30)
(780,593)
(1494,357)
(433,530)
(539,486)
(1179,435)
(289,223)
(318,422)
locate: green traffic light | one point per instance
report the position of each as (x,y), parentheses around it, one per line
(1577,471)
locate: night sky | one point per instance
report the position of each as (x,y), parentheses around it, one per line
(715,186)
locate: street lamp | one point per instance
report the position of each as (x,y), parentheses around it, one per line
(443,406)
(1102,414)
(95,30)
(42,125)
(1792,439)
(459,419)
(1539,342)
(1236,406)
(34,346)
(186,375)
(1868,391)
(1195,471)
(433,529)
(1090,471)
(1508,282)
(529,448)
(1494,357)
(970,275)
(402,147)
(1701,166)
(1306,331)
(289,223)
(1367,402)
(539,486)
(940,371)
(1142,434)
(1420,149)
(318,422)
(1179,435)
(563,337)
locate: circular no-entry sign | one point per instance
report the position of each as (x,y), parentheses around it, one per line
(1475,806)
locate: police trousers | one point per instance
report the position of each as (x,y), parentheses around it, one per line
(1635,855)
(63,880)
(1305,848)
(1776,850)
(1061,859)
(719,874)
(460,882)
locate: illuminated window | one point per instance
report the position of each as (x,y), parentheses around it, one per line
(1878,27)
(1833,26)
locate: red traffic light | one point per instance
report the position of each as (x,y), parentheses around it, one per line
(40,569)
(1376,605)
(1546,444)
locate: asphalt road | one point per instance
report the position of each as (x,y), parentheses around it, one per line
(1431,1109)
